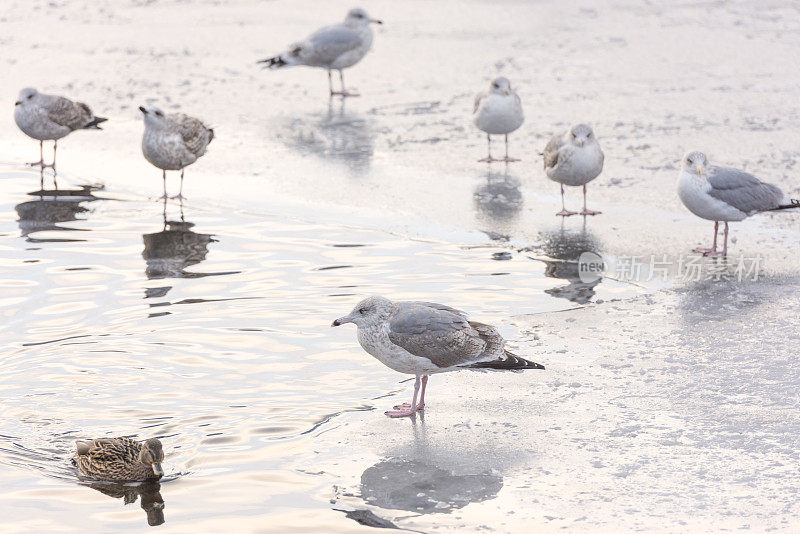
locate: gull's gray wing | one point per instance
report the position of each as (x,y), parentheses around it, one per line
(444,337)
(551,150)
(742,190)
(478,98)
(65,112)
(325,45)
(433,305)
(196,136)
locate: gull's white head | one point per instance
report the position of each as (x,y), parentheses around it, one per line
(695,163)
(368,312)
(153,117)
(357,17)
(581,134)
(501,86)
(26,96)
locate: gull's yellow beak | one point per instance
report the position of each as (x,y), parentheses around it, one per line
(507,92)
(699,170)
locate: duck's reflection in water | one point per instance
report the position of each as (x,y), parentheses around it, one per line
(563,248)
(147,493)
(499,197)
(336,135)
(50,208)
(414,482)
(169,252)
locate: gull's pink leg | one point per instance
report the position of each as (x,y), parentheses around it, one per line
(421,405)
(343,93)
(507,159)
(713,250)
(407,410)
(164,177)
(39,163)
(586,211)
(725,245)
(564,212)
(489,158)
(179,196)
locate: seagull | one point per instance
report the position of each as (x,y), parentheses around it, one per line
(423,338)
(332,47)
(171,142)
(498,111)
(573,158)
(51,117)
(725,194)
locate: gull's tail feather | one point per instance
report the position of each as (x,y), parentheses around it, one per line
(93,125)
(788,204)
(509,362)
(273,62)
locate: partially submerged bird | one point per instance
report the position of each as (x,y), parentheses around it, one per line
(171,142)
(50,117)
(725,194)
(120,459)
(574,158)
(424,338)
(498,111)
(334,47)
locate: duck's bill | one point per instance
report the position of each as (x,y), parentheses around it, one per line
(158,470)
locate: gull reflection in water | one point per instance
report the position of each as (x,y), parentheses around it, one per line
(51,207)
(499,197)
(336,135)
(169,252)
(147,493)
(416,482)
(563,248)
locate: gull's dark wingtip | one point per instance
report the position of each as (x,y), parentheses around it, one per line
(511,362)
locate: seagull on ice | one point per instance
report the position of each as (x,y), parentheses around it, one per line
(423,338)
(50,117)
(171,142)
(573,158)
(498,111)
(332,48)
(725,194)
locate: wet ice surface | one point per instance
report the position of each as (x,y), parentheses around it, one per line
(665,404)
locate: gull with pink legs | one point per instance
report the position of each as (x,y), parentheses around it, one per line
(173,141)
(574,158)
(425,338)
(498,111)
(723,194)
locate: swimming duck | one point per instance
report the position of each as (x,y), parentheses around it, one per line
(120,459)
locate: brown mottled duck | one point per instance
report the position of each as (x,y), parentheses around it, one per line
(120,459)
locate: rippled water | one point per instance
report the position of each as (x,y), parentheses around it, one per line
(210,329)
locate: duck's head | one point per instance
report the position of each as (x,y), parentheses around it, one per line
(368,312)
(152,454)
(695,163)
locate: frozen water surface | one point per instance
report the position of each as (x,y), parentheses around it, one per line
(667,404)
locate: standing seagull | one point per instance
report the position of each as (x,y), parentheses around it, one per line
(498,111)
(332,47)
(50,117)
(422,338)
(574,158)
(171,142)
(725,194)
